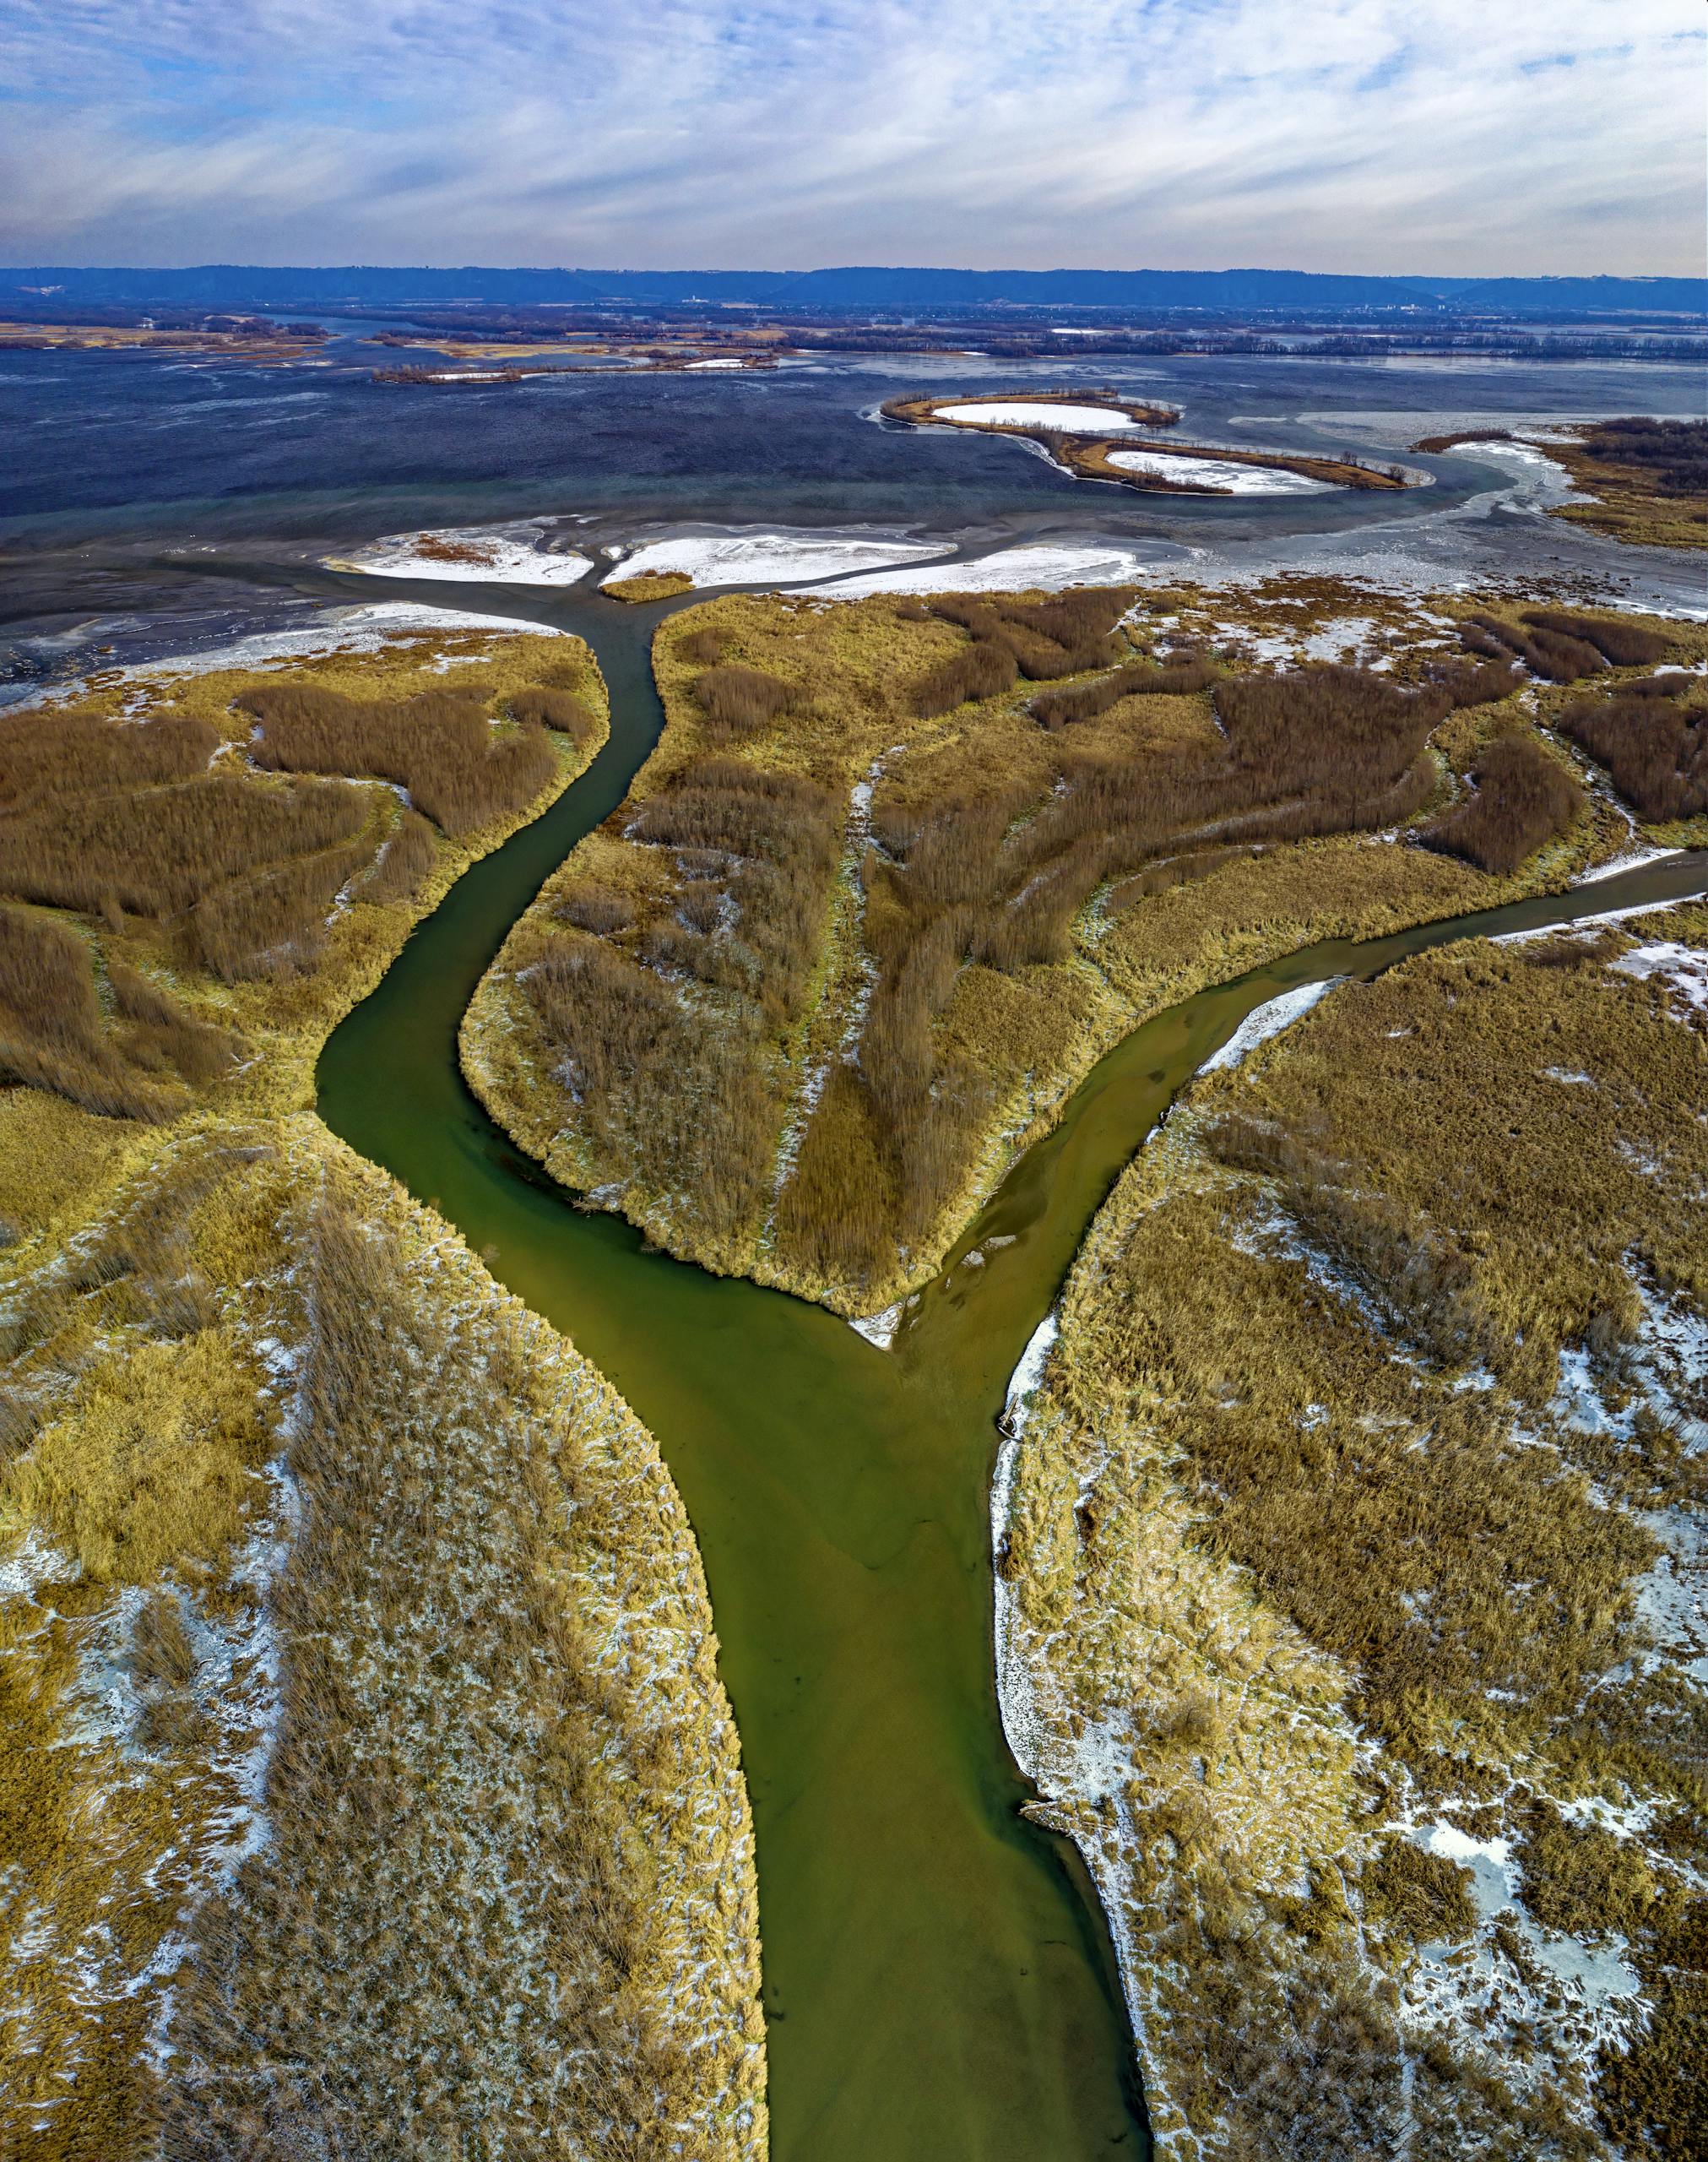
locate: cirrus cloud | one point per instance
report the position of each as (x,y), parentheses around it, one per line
(1438,137)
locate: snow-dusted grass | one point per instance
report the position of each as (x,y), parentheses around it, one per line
(368,629)
(762,557)
(364,1673)
(1224,475)
(1281,1390)
(1684,969)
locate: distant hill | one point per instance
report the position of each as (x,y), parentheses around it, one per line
(863,288)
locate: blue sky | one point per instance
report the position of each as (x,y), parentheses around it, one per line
(1431,136)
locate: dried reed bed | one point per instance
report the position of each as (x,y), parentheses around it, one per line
(1650,478)
(439,745)
(209,898)
(1299,1462)
(464,1681)
(843,1014)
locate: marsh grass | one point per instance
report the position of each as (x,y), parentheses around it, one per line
(505,1890)
(846,1011)
(1299,1468)
(189,900)
(1524,798)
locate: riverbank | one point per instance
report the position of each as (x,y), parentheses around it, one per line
(1643,481)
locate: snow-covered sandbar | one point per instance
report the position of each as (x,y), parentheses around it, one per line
(1012,570)
(1083,420)
(508,555)
(754,559)
(1219,473)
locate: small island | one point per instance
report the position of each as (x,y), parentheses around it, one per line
(1086,433)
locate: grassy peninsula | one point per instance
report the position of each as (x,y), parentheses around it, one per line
(1349,1597)
(1643,480)
(367,1760)
(900,870)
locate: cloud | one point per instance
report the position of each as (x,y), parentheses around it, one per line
(1433,137)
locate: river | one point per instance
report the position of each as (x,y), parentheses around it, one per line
(938,1984)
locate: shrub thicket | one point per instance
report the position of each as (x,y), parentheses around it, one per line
(53,1034)
(1559,656)
(1523,798)
(987,875)
(1625,645)
(1138,679)
(1669,456)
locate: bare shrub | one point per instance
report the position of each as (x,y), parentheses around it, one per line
(403,863)
(982,670)
(549,707)
(1556,656)
(50,1030)
(703,648)
(1625,645)
(1084,702)
(595,908)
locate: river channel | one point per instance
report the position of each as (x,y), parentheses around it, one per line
(938,1986)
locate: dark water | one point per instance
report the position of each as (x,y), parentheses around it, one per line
(936,1982)
(143,499)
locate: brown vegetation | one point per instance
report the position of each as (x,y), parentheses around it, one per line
(1655,748)
(1023,877)
(439,744)
(1300,1460)
(473,1815)
(739,701)
(186,861)
(1648,479)
(648,585)
(1523,798)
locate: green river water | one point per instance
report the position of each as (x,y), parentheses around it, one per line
(938,1986)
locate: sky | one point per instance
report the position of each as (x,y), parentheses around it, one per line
(1434,136)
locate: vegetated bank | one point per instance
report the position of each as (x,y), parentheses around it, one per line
(1080,448)
(1349,1576)
(368,1758)
(1646,480)
(899,872)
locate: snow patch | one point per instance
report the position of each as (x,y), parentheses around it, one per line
(759,557)
(365,629)
(1044,565)
(1634,860)
(1226,474)
(1000,413)
(497,555)
(879,1328)
(1268,1020)
(1684,969)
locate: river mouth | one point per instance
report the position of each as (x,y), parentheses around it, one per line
(937,1981)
